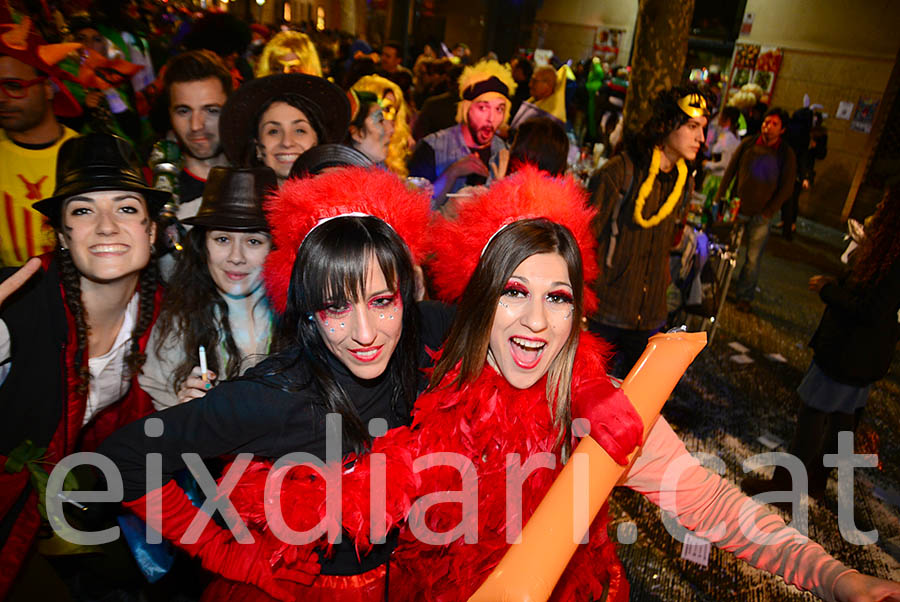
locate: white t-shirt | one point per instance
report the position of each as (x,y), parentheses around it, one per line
(109,377)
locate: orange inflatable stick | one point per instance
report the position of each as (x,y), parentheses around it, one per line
(532,566)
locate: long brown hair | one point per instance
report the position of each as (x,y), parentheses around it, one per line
(467,342)
(195,312)
(881,246)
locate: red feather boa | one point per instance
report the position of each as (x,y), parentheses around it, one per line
(485,421)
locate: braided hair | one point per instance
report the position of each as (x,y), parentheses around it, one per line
(147,285)
(70,278)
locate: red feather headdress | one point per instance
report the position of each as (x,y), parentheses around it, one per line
(301,203)
(529,193)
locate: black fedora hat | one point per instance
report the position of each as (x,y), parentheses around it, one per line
(96,162)
(323,156)
(324,103)
(233,197)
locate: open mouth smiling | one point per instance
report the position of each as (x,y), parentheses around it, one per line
(526,352)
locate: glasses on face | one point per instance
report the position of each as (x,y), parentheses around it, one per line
(18,88)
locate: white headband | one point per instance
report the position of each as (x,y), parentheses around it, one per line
(350,214)
(504,227)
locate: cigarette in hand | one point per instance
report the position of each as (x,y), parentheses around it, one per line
(70,501)
(203,370)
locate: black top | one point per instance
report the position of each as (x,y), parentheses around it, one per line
(855,341)
(190,187)
(258,416)
(33,394)
(631,290)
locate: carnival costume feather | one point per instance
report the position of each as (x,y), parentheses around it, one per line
(457,244)
(485,422)
(301,203)
(482,423)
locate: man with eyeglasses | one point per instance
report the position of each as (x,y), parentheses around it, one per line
(30,90)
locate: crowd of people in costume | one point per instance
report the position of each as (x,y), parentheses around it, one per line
(286,272)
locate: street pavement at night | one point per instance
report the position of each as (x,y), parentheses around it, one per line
(722,407)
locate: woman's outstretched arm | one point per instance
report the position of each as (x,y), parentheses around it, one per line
(716,510)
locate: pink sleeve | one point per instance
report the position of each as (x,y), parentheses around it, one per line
(716,510)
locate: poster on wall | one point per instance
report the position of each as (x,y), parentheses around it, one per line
(864,115)
(845,110)
(606,44)
(767,65)
(747,24)
(754,64)
(542,57)
(745,56)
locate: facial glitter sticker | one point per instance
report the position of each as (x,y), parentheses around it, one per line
(342,324)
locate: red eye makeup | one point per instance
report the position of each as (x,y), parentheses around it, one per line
(514,286)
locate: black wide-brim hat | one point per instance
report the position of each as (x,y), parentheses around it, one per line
(321,157)
(96,162)
(233,199)
(325,104)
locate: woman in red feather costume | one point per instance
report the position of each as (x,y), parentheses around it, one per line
(507,383)
(515,372)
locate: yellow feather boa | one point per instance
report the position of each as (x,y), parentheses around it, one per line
(647,186)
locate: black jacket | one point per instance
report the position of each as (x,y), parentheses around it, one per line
(257,415)
(855,341)
(631,289)
(36,319)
